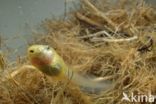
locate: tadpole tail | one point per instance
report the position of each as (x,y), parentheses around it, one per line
(88,84)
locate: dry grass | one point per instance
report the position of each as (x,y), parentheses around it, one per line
(101,39)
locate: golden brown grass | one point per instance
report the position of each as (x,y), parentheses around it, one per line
(100,39)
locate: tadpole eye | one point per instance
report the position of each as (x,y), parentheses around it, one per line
(31,51)
(47,47)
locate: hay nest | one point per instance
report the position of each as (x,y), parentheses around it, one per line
(100,38)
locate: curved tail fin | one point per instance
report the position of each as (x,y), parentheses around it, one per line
(89,84)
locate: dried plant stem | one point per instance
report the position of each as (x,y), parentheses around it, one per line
(99,13)
(26,94)
(97,34)
(76,93)
(87,20)
(16,72)
(114,40)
